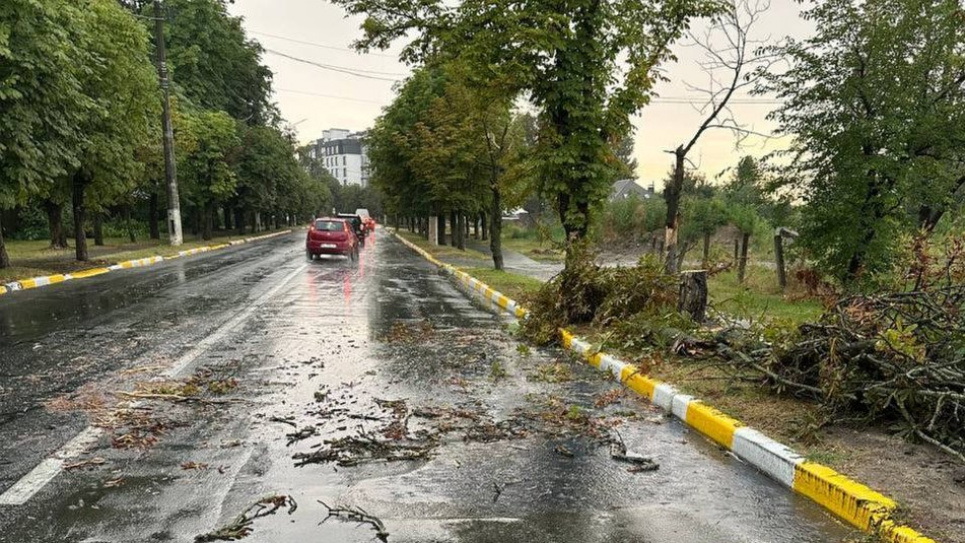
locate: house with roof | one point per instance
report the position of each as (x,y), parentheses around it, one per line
(625,188)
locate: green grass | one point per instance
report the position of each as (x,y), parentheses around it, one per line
(515,286)
(442,251)
(759,297)
(533,249)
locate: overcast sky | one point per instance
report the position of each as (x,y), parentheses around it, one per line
(314,99)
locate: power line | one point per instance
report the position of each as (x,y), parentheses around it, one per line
(320,45)
(341,69)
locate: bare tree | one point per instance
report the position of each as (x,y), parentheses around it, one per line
(732,61)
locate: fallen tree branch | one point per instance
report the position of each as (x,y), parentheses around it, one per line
(357,514)
(240,527)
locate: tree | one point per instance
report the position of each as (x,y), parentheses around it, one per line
(41,98)
(214,63)
(731,55)
(875,100)
(587,65)
(120,80)
(207,144)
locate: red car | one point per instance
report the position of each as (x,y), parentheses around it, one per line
(328,236)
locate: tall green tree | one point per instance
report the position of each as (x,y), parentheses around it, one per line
(214,63)
(42,100)
(207,148)
(121,81)
(587,65)
(875,103)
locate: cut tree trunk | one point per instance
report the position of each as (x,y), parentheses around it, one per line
(742,263)
(78,186)
(154,216)
(55,221)
(693,294)
(672,195)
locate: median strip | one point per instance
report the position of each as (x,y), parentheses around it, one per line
(36,282)
(850,501)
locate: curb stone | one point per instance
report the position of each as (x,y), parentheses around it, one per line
(849,500)
(36,282)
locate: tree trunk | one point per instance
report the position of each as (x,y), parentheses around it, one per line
(465,225)
(4,258)
(99,229)
(484,219)
(737,248)
(461,231)
(452,228)
(693,294)
(55,221)
(207,221)
(742,264)
(240,220)
(228,214)
(441,228)
(672,195)
(779,259)
(706,249)
(78,185)
(496,228)
(154,216)
(129,223)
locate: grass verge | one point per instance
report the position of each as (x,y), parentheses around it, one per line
(515,286)
(442,251)
(36,258)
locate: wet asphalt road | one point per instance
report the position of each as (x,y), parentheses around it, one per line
(316,346)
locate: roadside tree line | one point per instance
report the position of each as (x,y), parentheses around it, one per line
(872,105)
(80,135)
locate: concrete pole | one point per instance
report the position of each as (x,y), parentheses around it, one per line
(170,169)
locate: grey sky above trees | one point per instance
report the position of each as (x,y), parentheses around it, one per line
(315,99)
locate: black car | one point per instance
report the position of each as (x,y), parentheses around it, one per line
(357,224)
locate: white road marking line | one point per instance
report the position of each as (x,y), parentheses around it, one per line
(227,327)
(46,470)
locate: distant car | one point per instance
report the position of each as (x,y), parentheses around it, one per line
(366,219)
(357,224)
(332,236)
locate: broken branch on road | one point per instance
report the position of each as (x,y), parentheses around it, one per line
(241,526)
(357,514)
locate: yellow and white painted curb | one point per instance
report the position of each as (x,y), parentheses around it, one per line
(850,501)
(35,282)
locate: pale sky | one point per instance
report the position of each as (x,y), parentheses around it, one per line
(314,99)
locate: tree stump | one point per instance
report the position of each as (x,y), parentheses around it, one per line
(693,294)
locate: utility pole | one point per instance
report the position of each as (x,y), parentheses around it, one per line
(170,171)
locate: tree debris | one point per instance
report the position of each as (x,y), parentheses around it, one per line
(241,526)
(357,514)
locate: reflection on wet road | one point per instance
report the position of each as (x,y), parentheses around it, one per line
(394,392)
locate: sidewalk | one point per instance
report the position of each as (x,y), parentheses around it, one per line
(520,263)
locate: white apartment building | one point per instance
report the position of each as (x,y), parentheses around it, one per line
(344,154)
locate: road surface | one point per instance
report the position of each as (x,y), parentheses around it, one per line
(179,395)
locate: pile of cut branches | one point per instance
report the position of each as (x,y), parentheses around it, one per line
(587,293)
(896,356)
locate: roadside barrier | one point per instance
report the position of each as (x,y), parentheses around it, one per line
(36,282)
(850,501)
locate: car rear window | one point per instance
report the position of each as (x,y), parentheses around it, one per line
(329,226)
